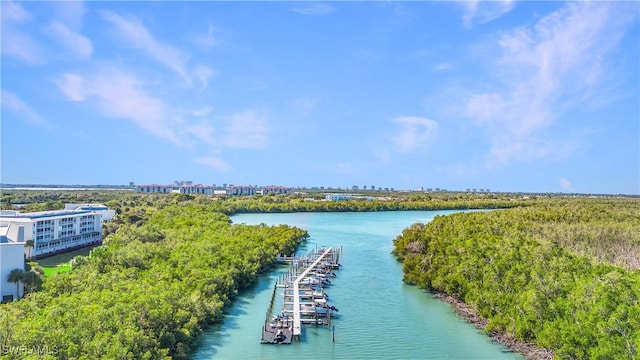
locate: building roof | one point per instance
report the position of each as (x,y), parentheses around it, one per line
(152,185)
(85,206)
(92,208)
(44,214)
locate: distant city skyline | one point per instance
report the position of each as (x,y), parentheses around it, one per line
(533,96)
(320,188)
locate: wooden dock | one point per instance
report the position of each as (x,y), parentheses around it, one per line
(304,300)
(277,332)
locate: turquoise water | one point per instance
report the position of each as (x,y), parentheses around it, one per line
(379,317)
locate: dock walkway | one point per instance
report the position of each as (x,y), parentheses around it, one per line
(297,324)
(304,300)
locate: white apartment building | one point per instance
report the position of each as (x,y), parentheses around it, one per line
(241,190)
(273,189)
(339,197)
(51,231)
(106,213)
(196,189)
(11,257)
(154,188)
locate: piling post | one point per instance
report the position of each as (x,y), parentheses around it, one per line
(333,333)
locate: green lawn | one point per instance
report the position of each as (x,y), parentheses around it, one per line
(50,270)
(63,258)
(60,263)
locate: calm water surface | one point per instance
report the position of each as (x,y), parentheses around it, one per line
(379,317)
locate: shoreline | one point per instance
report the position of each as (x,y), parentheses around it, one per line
(528,350)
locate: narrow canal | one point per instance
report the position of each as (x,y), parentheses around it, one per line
(379,317)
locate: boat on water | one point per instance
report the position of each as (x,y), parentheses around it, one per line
(322,307)
(304,300)
(314,281)
(323,275)
(319,295)
(326,309)
(330,265)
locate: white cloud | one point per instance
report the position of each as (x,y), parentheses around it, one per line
(413,133)
(120,95)
(202,130)
(245,130)
(565,184)
(202,112)
(214,162)
(485,108)
(19,41)
(10,11)
(136,35)
(315,9)
(20,45)
(72,86)
(77,43)
(544,70)
(12,102)
(208,40)
(482,12)
(15,42)
(203,74)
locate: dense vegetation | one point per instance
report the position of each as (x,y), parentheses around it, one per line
(396,203)
(121,201)
(42,200)
(148,291)
(561,274)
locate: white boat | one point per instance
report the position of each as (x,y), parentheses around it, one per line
(323,275)
(322,307)
(314,281)
(319,295)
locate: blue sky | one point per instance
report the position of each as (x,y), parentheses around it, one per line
(510,96)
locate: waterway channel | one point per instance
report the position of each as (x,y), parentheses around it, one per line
(380,317)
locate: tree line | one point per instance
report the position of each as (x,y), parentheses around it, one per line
(309,202)
(149,290)
(554,274)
